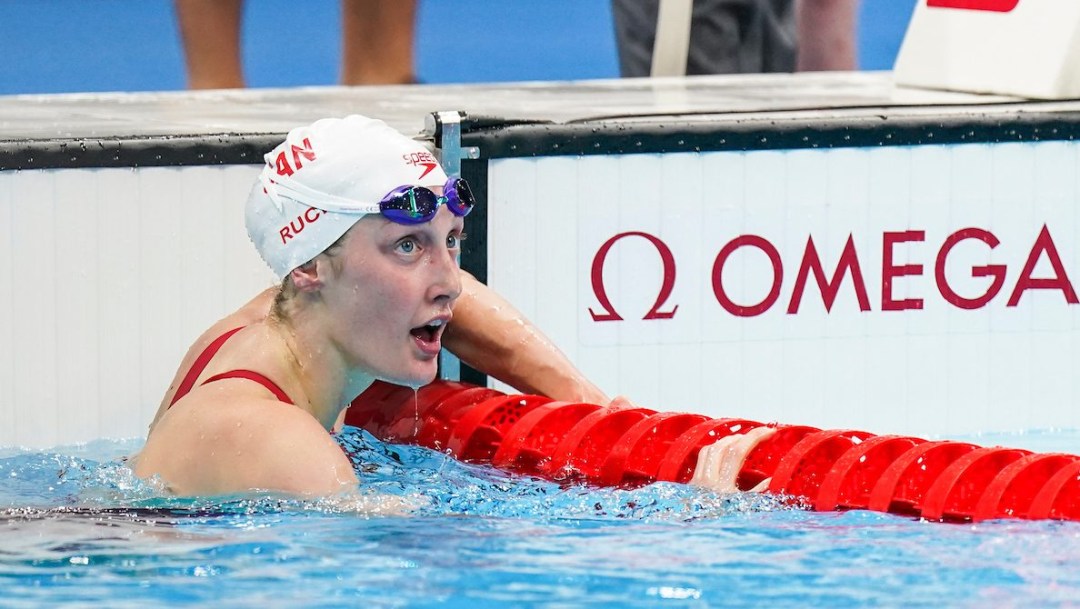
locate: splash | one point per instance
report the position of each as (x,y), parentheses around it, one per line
(448,486)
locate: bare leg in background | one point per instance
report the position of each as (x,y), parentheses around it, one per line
(826,30)
(210,30)
(377,41)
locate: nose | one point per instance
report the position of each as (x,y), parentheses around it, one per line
(446,277)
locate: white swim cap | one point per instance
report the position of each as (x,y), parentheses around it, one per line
(347,165)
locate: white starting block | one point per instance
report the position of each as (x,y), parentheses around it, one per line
(1027,48)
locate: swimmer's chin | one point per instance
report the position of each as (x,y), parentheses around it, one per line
(411,381)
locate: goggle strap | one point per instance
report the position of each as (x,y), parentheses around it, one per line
(333,203)
(320,200)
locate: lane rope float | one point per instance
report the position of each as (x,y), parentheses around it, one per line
(830,469)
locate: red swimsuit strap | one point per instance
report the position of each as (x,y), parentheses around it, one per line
(251,375)
(204,359)
(200,364)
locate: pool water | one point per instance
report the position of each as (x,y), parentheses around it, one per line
(76,529)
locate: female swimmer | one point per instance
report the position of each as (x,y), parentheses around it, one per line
(364,230)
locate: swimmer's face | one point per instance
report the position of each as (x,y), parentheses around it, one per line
(394,293)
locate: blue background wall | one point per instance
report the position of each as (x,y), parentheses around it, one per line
(53,46)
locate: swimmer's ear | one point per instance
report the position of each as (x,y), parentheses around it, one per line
(306,277)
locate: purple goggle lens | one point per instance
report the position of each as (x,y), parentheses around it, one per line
(416,204)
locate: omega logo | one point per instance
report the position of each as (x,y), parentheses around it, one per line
(665,289)
(849,266)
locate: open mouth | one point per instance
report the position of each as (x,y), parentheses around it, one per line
(428,335)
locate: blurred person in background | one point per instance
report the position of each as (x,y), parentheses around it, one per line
(377,42)
(744,36)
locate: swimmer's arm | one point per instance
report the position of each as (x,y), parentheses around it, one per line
(719,464)
(492,336)
(293,454)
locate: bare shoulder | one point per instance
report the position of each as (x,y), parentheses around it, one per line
(207,445)
(255,310)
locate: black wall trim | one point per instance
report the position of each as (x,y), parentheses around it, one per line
(666,136)
(475,247)
(514,139)
(163,151)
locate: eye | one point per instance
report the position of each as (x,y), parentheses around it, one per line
(454,241)
(407,245)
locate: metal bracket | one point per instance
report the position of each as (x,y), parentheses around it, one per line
(445,129)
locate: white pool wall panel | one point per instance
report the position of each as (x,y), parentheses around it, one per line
(935,370)
(112,272)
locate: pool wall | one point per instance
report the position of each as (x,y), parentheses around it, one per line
(921,285)
(112,271)
(679,239)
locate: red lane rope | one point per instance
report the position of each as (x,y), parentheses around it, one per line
(830,469)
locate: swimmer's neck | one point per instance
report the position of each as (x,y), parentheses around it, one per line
(327,383)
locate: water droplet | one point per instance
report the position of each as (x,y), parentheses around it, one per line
(416,412)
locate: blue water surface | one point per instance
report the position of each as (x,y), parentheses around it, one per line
(77,529)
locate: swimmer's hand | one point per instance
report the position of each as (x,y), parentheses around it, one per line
(718,464)
(621,402)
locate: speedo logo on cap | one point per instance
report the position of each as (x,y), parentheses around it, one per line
(422,160)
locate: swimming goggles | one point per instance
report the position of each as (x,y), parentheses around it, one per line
(416,204)
(404,205)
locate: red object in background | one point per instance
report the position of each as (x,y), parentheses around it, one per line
(957,490)
(529,442)
(1012,491)
(854,474)
(1059,498)
(831,469)
(637,455)
(587,445)
(997,6)
(903,484)
(433,429)
(765,457)
(805,466)
(381,404)
(478,434)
